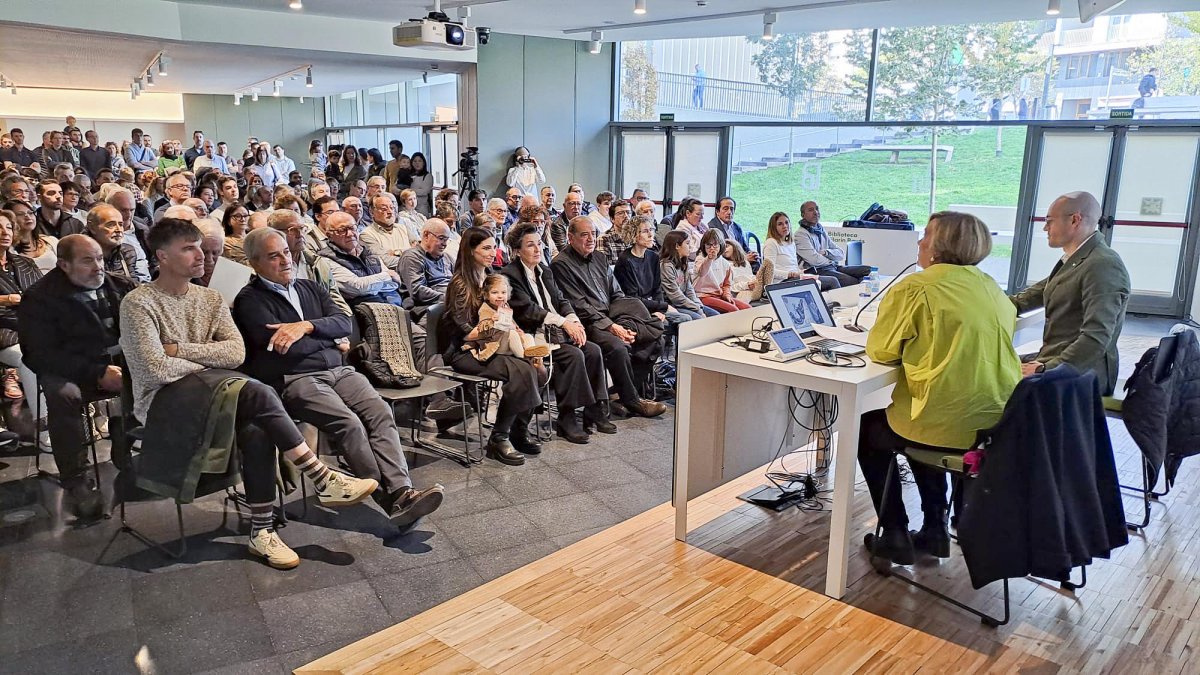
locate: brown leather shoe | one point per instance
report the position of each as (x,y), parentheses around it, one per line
(645,408)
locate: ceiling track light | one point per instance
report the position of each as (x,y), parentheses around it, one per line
(296,4)
(275,88)
(254,95)
(13,90)
(162,65)
(594,46)
(308,78)
(149,79)
(302,99)
(639,6)
(1055,8)
(237,99)
(769,26)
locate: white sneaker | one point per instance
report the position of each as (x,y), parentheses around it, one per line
(266,544)
(344,490)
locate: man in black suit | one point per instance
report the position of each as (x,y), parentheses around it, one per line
(68,328)
(538,304)
(292,329)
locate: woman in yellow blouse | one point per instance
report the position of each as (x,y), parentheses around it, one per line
(950,328)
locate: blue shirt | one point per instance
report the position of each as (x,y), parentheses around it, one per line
(288,292)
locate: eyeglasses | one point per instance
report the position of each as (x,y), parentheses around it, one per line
(341,231)
(185,186)
(442,238)
(239,216)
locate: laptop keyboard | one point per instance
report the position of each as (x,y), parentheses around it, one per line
(827,344)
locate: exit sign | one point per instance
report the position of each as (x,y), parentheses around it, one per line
(666,117)
(1120,114)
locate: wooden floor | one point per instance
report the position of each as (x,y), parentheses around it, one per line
(742,597)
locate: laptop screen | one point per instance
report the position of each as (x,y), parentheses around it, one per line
(798,304)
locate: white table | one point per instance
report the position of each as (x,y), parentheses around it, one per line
(728,397)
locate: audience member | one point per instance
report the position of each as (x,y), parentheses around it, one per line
(509,442)
(307,264)
(601,217)
(585,207)
(723,221)
(422,184)
(676,280)
(572,208)
(17,275)
(819,252)
(1085,295)
(398,172)
(780,249)
(180,338)
(179,190)
(168,161)
(302,360)
(354,206)
(426,269)
(52,153)
(359,272)
(384,236)
(18,154)
(135,229)
(266,170)
(27,239)
(235,223)
(195,152)
(409,217)
(713,275)
(548,196)
(639,273)
(94,157)
(51,219)
(476,199)
(620,236)
(69,329)
(524,173)
(107,227)
(212,245)
(208,159)
(588,283)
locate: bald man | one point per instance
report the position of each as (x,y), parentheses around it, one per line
(425,269)
(68,325)
(1085,295)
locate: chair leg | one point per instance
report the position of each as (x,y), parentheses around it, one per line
(882,566)
(1147,490)
(1069,585)
(126,527)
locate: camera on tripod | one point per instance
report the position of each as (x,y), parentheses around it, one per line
(468,170)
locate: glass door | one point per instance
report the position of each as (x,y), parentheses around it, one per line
(1144,178)
(671,163)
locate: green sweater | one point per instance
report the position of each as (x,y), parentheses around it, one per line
(950,328)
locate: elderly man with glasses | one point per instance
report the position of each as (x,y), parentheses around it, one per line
(107,227)
(179,190)
(383,235)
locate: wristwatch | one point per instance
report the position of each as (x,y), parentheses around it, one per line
(1041,367)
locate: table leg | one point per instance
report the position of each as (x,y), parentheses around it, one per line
(683,427)
(844,472)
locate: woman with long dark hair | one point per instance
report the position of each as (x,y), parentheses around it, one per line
(352,170)
(676,283)
(375,163)
(422,183)
(267,170)
(524,172)
(509,441)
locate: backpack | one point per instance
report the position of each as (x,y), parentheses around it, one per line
(385,354)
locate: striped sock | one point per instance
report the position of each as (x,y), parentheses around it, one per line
(314,468)
(262,517)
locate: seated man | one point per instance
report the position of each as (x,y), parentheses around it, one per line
(729,227)
(1085,295)
(819,253)
(307,265)
(302,361)
(107,227)
(386,237)
(68,325)
(174,333)
(588,284)
(213,245)
(425,269)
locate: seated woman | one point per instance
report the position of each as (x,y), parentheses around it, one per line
(950,328)
(639,273)
(676,282)
(460,324)
(27,239)
(235,220)
(780,250)
(713,275)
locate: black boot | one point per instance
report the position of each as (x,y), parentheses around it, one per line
(594,417)
(498,447)
(86,501)
(933,537)
(519,435)
(567,426)
(894,545)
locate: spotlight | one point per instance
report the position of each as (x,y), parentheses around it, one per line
(639,6)
(594,46)
(302,99)
(308,78)
(162,65)
(137,82)
(133,92)
(3,82)
(149,79)
(425,77)
(14,90)
(237,99)
(296,4)
(1054,8)
(254,95)
(768,26)
(275,90)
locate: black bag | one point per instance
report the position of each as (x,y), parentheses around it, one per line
(385,354)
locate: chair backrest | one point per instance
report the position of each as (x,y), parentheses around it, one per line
(433,342)
(751,237)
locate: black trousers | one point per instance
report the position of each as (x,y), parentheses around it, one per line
(64,421)
(845,275)
(262,426)
(520,394)
(876,445)
(578,378)
(619,363)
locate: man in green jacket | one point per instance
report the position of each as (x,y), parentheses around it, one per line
(1085,295)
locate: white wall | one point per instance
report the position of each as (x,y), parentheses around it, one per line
(284,120)
(108,130)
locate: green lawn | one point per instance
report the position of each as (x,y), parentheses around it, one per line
(851,181)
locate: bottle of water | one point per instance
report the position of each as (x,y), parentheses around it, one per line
(871,283)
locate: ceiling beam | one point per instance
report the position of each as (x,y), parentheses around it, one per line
(827,4)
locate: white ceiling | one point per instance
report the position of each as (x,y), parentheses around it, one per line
(100,61)
(565,18)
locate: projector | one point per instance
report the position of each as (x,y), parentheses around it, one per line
(433,33)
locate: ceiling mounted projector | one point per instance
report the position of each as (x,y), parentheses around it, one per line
(435,31)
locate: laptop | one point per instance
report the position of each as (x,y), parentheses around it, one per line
(798,304)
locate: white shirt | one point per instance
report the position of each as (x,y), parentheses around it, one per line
(289,293)
(216,162)
(783,257)
(602,224)
(541,297)
(1067,256)
(387,245)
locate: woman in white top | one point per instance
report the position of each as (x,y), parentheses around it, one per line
(41,248)
(317,157)
(602,216)
(713,275)
(265,169)
(780,250)
(688,221)
(408,216)
(524,172)
(422,183)
(744,283)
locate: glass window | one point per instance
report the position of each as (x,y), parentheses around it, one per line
(846,170)
(344,109)
(382,105)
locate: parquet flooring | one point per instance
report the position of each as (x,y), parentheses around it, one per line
(743,597)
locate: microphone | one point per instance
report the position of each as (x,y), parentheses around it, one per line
(859,329)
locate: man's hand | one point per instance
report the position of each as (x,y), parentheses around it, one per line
(12,299)
(661,317)
(343,347)
(286,334)
(620,332)
(574,330)
(395,277)
(110,380)
(1031,368)
(751,257)
(170,348)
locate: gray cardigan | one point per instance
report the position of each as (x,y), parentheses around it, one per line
(816,249)
(677,287)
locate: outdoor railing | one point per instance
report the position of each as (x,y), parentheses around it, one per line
(677,90)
